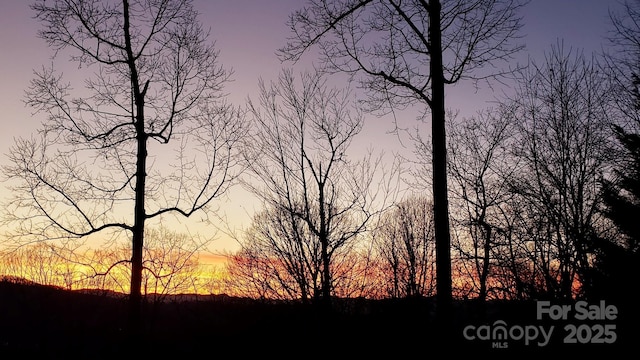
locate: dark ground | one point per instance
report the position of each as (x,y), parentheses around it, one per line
(49,323)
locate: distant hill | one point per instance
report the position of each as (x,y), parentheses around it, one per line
(51,322)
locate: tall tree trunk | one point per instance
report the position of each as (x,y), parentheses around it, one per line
(135,294)
(138,231)
(440,203)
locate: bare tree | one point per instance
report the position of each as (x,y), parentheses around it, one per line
(564,146)
(356,272)
(252,275)
(319,198)
(481,166)
(155,81)
(41,263)
(621,63)
(171,262)
(406,52)
(107,269)
(405,243)
(279,258)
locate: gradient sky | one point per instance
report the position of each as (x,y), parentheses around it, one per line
(247,32)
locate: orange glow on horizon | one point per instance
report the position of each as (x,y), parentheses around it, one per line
(168,273)
(207,258)
(105,270)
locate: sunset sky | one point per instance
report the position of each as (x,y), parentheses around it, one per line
(247,32)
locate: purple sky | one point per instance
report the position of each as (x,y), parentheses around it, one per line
(247,32)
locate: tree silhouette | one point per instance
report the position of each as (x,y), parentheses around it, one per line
(404,243)
(617,261)
(406,52)
(564,148)
(623,191)
(318,200)
(480,169)
(155,81)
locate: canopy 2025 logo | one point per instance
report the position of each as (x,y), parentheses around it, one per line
(594,326)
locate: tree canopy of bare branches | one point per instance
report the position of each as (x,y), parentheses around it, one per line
(405,243)
(404,53)
(317,199)
(565,149)
(101,161)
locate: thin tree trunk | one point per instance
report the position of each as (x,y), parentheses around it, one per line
(484,274)
(324,241)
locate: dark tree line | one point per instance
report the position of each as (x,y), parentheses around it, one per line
(529,179)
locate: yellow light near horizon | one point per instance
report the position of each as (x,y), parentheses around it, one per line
(206,258)
(39,264)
